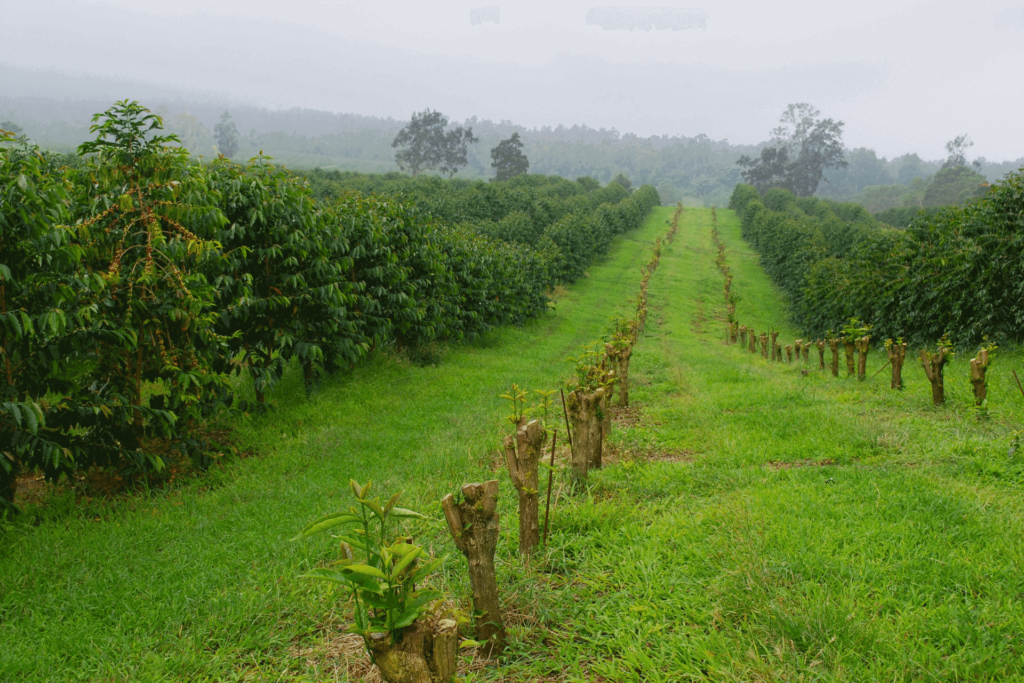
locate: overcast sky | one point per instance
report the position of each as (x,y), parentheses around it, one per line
(904,76)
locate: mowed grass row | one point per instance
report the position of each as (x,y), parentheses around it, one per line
(201,582)
(762,525)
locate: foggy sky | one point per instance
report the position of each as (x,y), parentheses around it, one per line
(904,76)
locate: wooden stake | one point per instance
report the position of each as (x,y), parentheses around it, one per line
(568,432)
(551,474)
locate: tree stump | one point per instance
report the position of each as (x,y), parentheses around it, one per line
(777,352)
(606,401)
(743,336)
(584,412)
(798,347)
(933,364)
(833,345)
(775,335)
(806,351)
(426,652)
(620,357)
(979,366)
(523,452)
(753,341)
(862,358)
(897,355)
(789,353)
(820,344)
(764,345)
(851,365)
(474,526)
(734,330)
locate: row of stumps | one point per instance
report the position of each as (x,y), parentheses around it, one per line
(474,521)
(854,342)
(855,350)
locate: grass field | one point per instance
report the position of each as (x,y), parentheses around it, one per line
(754,523)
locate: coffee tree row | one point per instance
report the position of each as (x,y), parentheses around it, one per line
(958,271)
(133,284)
(855,342)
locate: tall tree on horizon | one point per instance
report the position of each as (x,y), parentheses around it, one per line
(805,147)
(227,136)
(508,159)
(427,144)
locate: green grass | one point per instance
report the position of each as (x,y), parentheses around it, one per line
(755,524)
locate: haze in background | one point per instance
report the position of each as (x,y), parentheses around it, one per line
(904,76)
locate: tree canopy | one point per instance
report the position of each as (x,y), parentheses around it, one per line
(805,147)
(426,144)
(508,159)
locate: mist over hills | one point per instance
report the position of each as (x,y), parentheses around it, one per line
(55,111)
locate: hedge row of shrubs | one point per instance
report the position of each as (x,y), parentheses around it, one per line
(134,284)
(569,222)
(958,271)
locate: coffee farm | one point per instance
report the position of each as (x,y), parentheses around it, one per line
(717,496)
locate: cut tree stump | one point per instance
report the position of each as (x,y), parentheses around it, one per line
(820,344)
(806,351)
(897,355)
(426,652)
(979,366)
(621,360)
(862,357)
(523,452)
(933,364)
(606,401)
(777,352)
(743,336)
(764,344)
(789,353)
(474,526)
(798,347)
(851,364)
(833,345)
(586,432)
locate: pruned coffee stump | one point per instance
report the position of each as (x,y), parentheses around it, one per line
(897,355)
(933,364)
(474,527)
(522,453)
(584,415)
(425,653)
(862,345)
(979,367)
(833,345)
(851,364)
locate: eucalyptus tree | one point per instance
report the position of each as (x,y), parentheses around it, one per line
(805,147)
(427,143)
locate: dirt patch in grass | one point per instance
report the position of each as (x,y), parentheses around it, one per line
(627,417)
(612,455)
(668,456)
(699,318)
(774,465)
